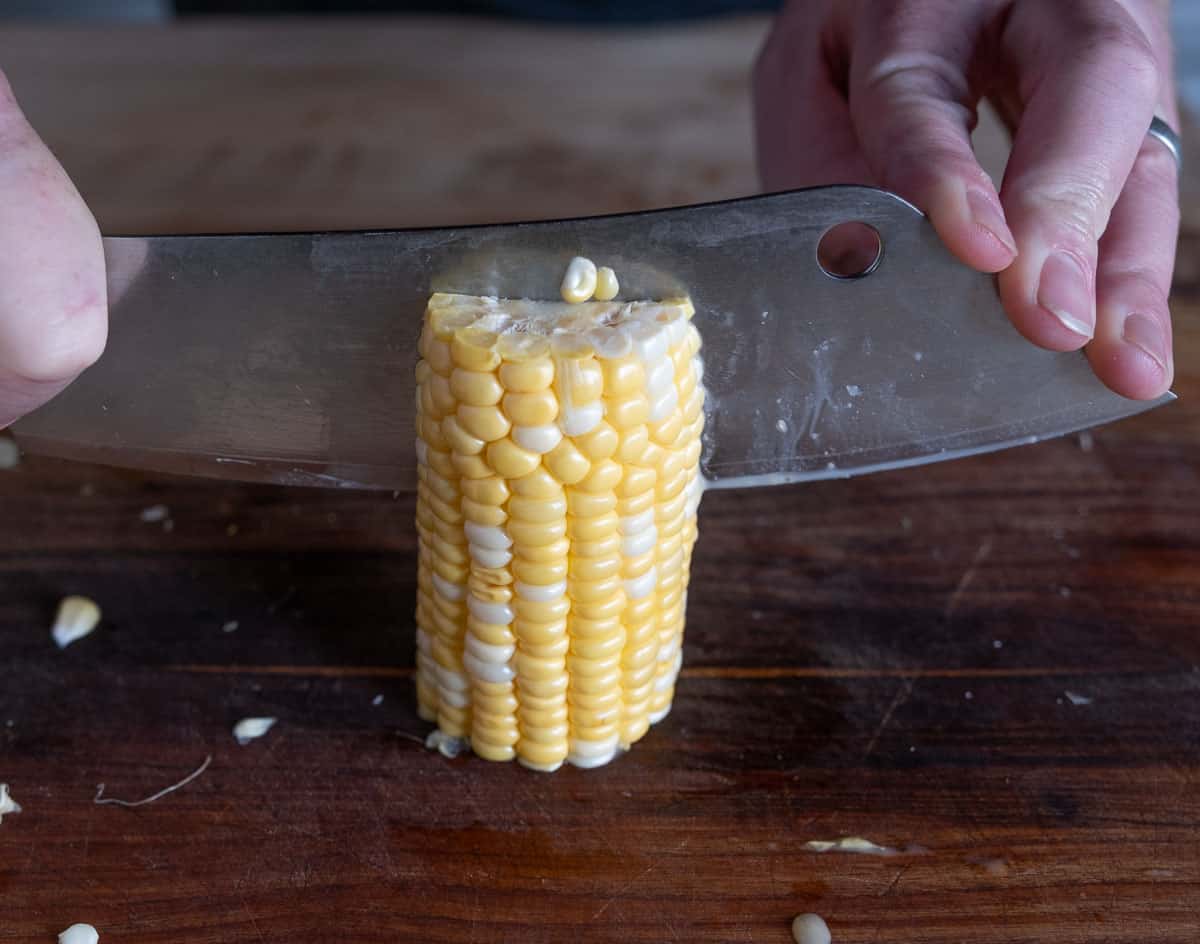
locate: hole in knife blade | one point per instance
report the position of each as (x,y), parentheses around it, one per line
(849,250)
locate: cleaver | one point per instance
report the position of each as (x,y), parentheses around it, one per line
(289,358)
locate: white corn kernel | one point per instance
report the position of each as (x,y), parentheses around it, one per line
(487,557)
(451,680)
(485,652)
(593,753)
(810,929)
(665,405)
(640,587)
(539,439)
(79,934)
(486,671)
(580,420)
(487,536)
(77,616)
(448,590)
(635,524)
(485,611)
(579,283)
(637,543)
(7,803)
(248,729)
(660,376)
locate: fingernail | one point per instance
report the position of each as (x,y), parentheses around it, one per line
(985,214)
(1144,333)
(1066,292)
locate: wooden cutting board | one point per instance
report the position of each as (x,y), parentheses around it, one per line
(991,667)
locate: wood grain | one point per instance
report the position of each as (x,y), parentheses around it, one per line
(887,657)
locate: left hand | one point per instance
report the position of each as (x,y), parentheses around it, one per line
(1083,230)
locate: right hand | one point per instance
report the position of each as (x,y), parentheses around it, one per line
(53,306)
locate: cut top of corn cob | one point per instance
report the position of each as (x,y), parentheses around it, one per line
(558,451)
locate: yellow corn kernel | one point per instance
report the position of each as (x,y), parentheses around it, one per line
(592,529)
(603,609)
(510,461)
(440,462)
(531,409)
(537,509)
(633,444)
(578,380)
(558,482)
(602,477)
(437,355)
(546,552)
(636,480)
(600,443)
(489,491)
(533,634)
(484,422)
(566,463)
(471,467)
(607,285)
(579,282)
(536,533)
(440,395)
(529,376)
(594,568)
(541,611)
(483,514)
(627,411)
(459,439)
(476,388)
(585,505)
(539,573)
(475,349)
(537,484)
(593,591)
(622,376)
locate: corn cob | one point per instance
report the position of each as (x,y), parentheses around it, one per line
(558,452)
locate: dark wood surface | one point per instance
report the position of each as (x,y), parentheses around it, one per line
(888,657)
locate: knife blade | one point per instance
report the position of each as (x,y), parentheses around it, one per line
(289,358)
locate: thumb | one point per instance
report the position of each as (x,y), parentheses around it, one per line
(53,310)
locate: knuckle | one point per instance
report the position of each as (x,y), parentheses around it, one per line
(1118,41)
(1156,169)
(1076,201)
(1143,280)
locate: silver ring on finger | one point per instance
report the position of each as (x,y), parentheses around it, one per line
(1163,132)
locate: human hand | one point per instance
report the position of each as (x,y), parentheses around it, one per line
(1083,230)
(53,310)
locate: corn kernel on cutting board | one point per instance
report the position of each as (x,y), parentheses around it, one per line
(986,668)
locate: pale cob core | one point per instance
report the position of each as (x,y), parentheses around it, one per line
(558,451)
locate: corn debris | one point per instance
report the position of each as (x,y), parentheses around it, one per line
(76,617)
(558,451)
(7,803)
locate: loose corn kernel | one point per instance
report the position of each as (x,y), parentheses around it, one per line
(558,450)
(607,285)
(579,282)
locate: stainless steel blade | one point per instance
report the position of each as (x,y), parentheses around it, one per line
(289,358)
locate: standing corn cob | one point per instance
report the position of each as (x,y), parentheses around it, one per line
(558,449)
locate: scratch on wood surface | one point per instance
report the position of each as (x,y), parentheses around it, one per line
(968,575)
(902,695)
(623,889)
(894,882)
